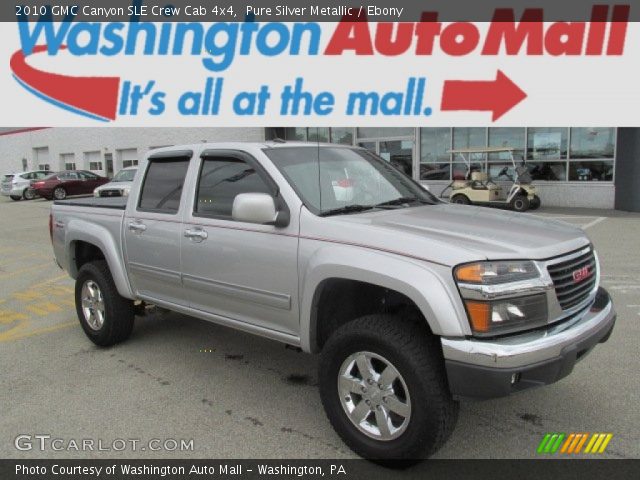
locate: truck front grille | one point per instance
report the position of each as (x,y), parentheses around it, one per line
(574,279)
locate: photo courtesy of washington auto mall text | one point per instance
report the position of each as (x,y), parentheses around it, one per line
(344,240)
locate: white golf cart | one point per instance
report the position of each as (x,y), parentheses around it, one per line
(505,190)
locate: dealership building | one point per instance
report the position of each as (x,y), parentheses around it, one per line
(570,166)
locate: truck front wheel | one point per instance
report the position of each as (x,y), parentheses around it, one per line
(384,389)
(105,316)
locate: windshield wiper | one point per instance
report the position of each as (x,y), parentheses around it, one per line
(346,209)
(400,201)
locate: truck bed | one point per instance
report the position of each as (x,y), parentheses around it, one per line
(117,203)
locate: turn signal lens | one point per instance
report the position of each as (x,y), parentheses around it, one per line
(479,315)
(508,315)
(492,273)
(470,273)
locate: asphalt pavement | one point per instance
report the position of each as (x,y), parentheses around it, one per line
(184,388)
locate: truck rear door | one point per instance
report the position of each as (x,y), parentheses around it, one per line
(153,229)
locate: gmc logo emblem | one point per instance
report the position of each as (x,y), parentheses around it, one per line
(581,274)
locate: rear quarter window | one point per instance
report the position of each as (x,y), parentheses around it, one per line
(162,187)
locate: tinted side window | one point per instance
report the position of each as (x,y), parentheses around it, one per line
(162,186)
(221,179)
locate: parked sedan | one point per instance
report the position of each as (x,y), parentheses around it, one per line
(18,185)
(119,186)
(71,182)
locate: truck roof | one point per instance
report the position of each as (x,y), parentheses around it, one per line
(242,145)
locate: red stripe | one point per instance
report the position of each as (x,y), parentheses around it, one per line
(22,130)
(96,95)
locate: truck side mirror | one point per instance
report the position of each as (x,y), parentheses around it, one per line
(258,208)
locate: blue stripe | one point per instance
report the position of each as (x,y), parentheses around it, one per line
(57,103)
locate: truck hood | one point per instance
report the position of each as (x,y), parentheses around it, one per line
(452,234)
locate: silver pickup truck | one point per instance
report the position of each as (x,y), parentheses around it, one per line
(410,302)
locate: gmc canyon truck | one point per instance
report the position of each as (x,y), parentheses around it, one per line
(410,302)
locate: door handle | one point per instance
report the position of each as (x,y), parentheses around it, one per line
(137,227)
(196,234)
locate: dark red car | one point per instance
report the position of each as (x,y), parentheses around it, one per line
(71,182)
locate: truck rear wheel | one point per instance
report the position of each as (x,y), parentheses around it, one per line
(105,316)
(384,389)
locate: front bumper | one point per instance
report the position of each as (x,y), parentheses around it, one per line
(495,368)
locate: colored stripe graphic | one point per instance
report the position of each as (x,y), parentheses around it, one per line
(93,97)
(551,442)
(574,442)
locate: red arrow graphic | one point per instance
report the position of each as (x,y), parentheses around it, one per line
(94,96)
(497,96)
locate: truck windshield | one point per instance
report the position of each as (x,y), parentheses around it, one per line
(126,175)
(339,180)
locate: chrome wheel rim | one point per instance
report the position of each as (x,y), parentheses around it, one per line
(59,193)
(29,194)
(92,305)
(374,396)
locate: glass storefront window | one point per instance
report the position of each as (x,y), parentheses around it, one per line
(547,143)
(548,171)
(435,144)
(469,137)
(379,132)
(318,134)
(371,146)
(342,135)
(506,137)
(591,171)
(399,153)
(295,134)
(592,142)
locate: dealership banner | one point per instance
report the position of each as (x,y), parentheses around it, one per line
(391,63)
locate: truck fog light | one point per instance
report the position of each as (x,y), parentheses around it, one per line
(508,315)
(515,378)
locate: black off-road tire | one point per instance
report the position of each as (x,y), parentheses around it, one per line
(520,203)
(119,311)
(535,203)
(460,199)
(417,355)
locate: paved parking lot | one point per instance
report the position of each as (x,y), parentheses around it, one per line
(237,395)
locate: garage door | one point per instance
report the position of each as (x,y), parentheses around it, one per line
(67,161)
(41,157)
(93,162)
(128,157)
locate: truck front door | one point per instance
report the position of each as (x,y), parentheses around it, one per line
(241,271)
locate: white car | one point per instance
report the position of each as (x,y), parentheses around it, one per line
(119,186)
(18,185)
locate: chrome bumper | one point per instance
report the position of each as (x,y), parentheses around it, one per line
(490,368)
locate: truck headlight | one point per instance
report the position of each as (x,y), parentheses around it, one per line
(491,273)
(124,192)
(507,316)
(503,296)
(96,193)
